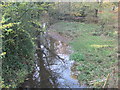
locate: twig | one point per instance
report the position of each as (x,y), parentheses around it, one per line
(54,54)
(106,80)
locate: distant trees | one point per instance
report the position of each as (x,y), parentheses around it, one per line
(89,10)
(107,17)
(101,13)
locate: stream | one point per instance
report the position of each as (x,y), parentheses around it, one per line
(53,67)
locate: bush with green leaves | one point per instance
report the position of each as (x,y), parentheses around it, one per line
(19,52)
(21,25)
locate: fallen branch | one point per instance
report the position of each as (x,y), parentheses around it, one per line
(94,81)
(54,53)
(106,80)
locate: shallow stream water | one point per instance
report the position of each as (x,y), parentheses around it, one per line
(53,67)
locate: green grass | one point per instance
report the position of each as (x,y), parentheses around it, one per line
(77,56)
(75,26)
(95,55)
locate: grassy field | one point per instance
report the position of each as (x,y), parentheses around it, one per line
(94,54)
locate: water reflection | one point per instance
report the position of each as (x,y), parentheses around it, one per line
(51,71)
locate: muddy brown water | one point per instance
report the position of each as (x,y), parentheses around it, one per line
(53,67)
